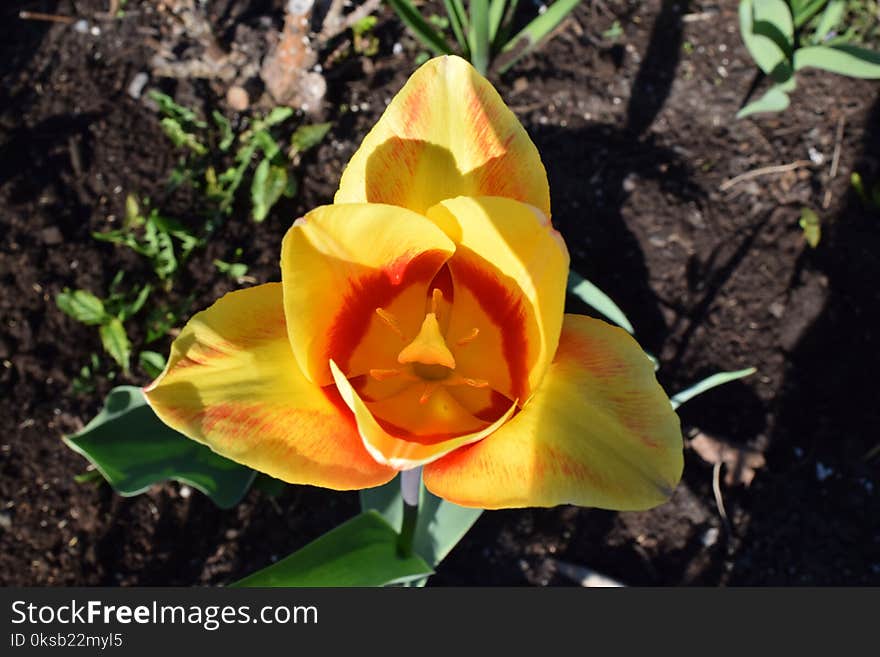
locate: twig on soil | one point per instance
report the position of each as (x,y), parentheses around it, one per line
(716,489)
(763,171)
(835,160)
(335,23)
(51,18)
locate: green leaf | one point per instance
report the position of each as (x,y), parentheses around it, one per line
(270,485)
(767,30)
(226,134)
(181,138)
(152,362)
(809,223)
(131,309)
(830,18)
(420,27)
(268,184)
(707,384)
(231,269)
(309,136)
(115,341)
(844,59)
(803,10)
(83,306)
(169,108)
(459,23)
(360,552)
(775,100)
(496,15)
(478,35)
(598,300)
(276,116)
(133,449)
(533,33)
(441,524)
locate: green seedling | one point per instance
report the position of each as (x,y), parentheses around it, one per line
(163,240)
(785,36)
(614,32)
(870,197)
(109,315)
(484,32)
(364,41)
(236,270)
(809,223)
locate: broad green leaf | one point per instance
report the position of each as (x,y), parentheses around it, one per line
(598,300)
(533,33)
(459,22)
(830,18)
(707,384)
(308,136)
(767,30)
(83,306)
(844,59)
(422,30)
(809,223)
(478,35)
(775,100)
(115,341)
(441,524)
(151,362)
(270,485)
(360,552)
(267,186)
(133,449)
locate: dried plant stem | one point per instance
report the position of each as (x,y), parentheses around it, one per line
(763,171)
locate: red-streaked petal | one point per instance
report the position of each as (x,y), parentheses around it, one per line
(599,431)
(233,384)
(509,272)
(447,133)
(339,264)
(404,450)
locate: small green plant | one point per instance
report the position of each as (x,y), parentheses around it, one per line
(164,241)
(784,37)
(109,315)
(236,270)
(870,195)
(483,32)
(207,149)
(812,227)
(364,42)
(614,32)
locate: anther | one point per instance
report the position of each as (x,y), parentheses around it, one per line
(390,321)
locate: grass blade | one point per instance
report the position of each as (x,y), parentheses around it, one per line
(532,34)
(707,384)
(598,300)
(420,27)
(478,35)
(459,22)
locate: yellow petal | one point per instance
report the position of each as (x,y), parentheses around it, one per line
(435,428)
(509,275)
(233,384)
(447,133)
(355,281)
(599,431)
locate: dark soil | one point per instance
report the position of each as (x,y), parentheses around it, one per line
(638,134)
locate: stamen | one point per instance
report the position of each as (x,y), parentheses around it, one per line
(384,375)
(458,380)
(436,298)
(430,389)
(470,337)
(391,321)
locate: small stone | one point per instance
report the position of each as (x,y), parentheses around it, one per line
(777,309)
(185,491)
(51,236)
(137,84)
(5,521)
(81,26)
(238,99)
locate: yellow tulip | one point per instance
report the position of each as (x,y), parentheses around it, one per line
(419,322)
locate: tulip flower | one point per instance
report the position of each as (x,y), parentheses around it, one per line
(419,322)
